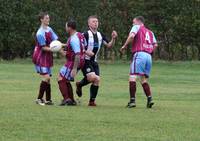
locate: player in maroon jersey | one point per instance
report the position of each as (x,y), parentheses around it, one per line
(43,58)
(74,53)
(143,45)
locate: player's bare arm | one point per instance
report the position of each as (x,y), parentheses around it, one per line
(112,42)
(76,63)
(129,40)
(155,45)
(46,48)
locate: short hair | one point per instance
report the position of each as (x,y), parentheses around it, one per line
(41,15)
(72,24)
(140,18)
(92,17)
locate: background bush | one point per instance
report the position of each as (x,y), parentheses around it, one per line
(176,24)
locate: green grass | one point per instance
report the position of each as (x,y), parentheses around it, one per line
(175,117)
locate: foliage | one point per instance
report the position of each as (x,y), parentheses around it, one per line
(175,22)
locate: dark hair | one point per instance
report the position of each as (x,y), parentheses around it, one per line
(72,24)
(41,15)
(140,18)
(93,16)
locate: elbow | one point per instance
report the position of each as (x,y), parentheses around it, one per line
(109,45)
(155,45)
(131,37)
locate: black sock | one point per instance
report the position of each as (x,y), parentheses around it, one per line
(84,82)
(93,92)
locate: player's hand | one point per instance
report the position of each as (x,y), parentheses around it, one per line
(122,49)
(89,53)
(47,49)
(114,34)
(64,45)
(73,73)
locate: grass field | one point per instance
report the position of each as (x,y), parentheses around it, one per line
(175,117)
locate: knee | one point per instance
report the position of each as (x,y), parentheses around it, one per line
(93,78)
(46,79)
(143,80)
(132,78)
(59,78)
(97,80)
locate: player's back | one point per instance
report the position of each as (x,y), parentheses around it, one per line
(75,45)
(144,40)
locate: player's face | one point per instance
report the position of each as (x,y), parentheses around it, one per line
(67,28)
(93,23)
(45,20)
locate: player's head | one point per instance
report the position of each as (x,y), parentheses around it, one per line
(93,22)
(70,26)
(44,18)
(139,20)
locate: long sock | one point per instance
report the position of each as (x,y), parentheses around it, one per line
(48,92)
(63,89)
(70,91)
(84,82)
(93,92)
(146,89)
(43,87)
(132,90)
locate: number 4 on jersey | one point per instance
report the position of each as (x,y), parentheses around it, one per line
(147,37)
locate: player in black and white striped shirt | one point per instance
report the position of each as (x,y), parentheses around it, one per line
(90,70)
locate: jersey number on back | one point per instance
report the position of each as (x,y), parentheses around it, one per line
(147,38)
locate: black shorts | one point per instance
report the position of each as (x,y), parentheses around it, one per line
(90,66)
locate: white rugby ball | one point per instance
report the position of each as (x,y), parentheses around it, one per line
(55,46)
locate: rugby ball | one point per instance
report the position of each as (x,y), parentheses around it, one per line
(55,46)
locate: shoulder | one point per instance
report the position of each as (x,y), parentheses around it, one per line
(40,32)
(85,33)
(135,28)
(80,35)
(149,30)
(49,28)
(104,37)
(74,38)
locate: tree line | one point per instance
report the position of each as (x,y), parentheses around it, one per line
(176,24)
